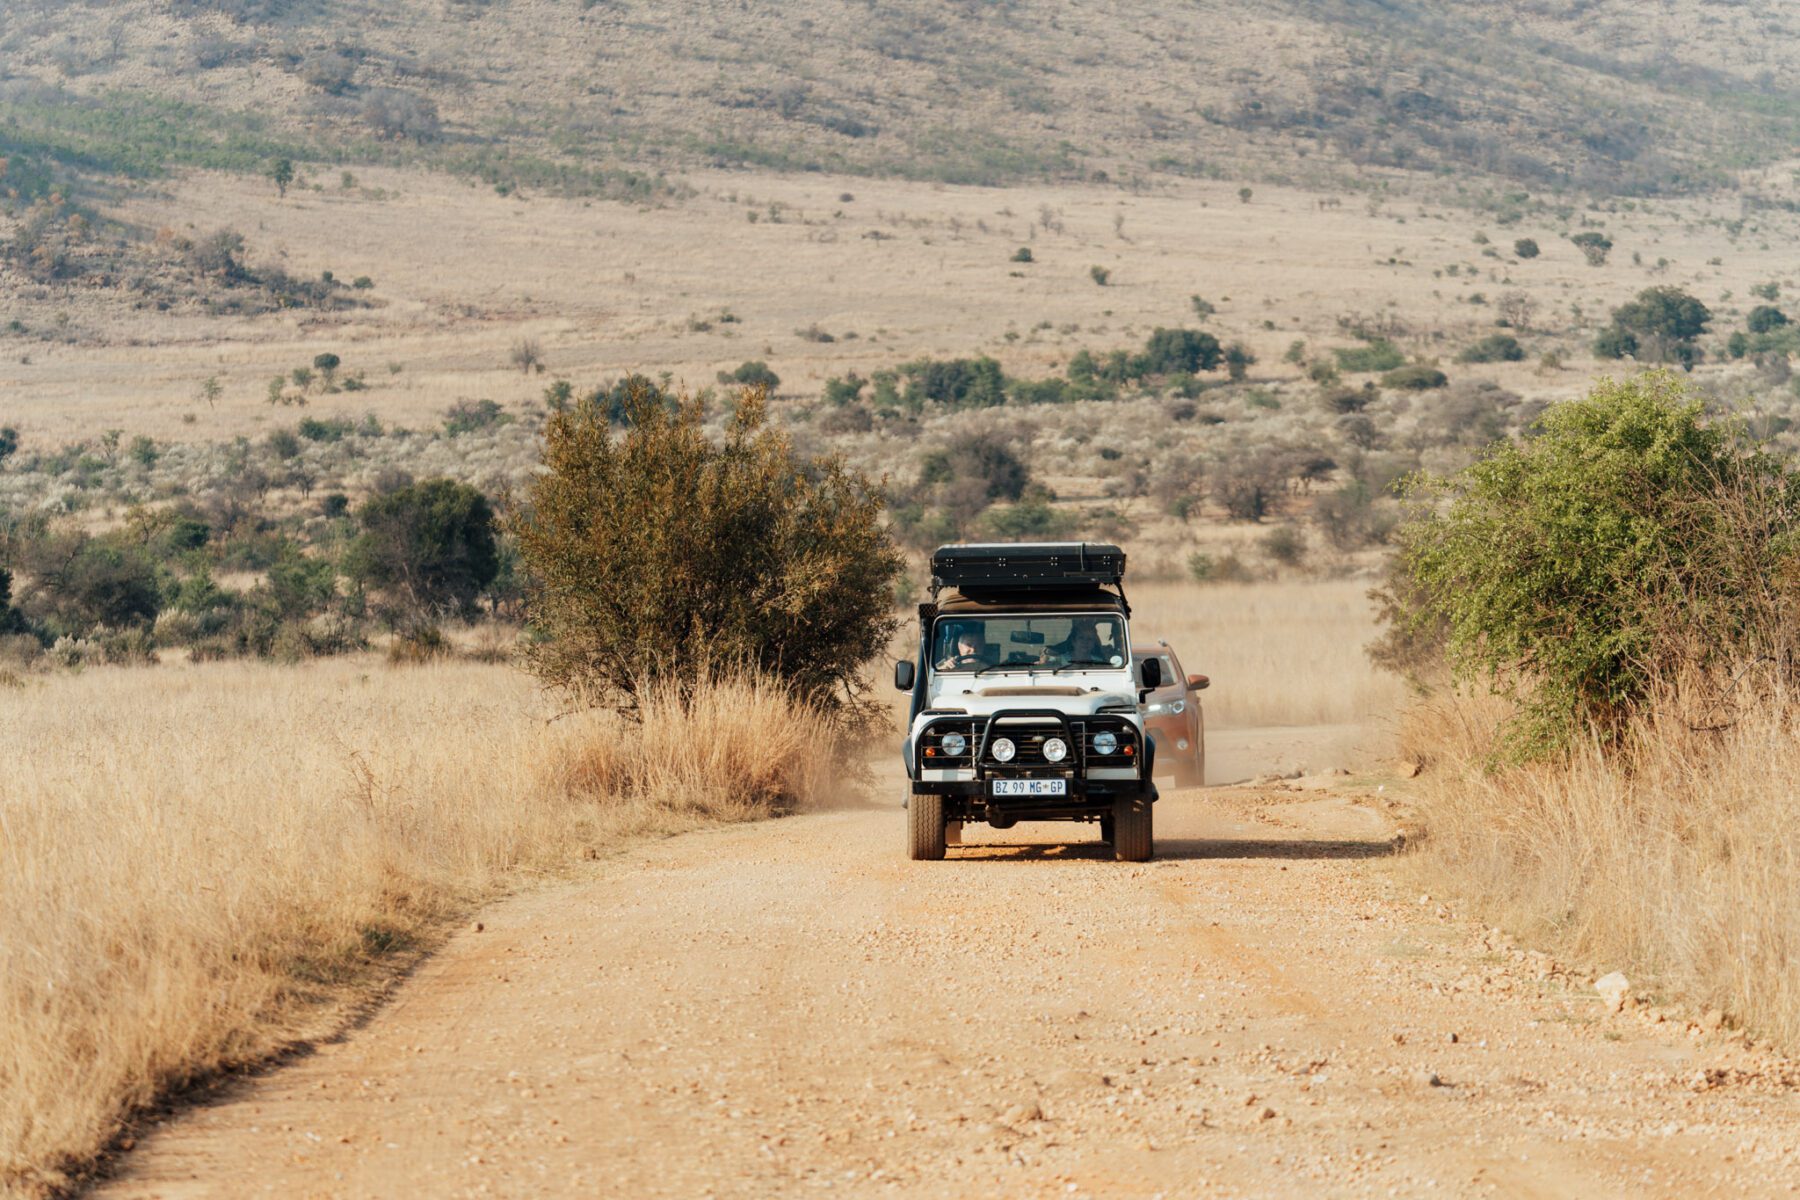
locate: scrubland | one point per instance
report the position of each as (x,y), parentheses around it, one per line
(1675,863)
(200,865)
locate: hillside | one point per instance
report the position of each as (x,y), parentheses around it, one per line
(601,95)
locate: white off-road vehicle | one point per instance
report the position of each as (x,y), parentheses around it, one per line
(1025,702)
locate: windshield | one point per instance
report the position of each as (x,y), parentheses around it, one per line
(1024,642)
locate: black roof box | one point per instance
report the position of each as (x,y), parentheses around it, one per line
(1022,566)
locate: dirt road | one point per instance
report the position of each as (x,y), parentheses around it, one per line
(791,1008)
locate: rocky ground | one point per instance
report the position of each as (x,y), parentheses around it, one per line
(792,1007)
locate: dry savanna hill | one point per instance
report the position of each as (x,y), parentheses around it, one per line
(1602,94)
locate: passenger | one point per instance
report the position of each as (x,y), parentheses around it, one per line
(1083,645)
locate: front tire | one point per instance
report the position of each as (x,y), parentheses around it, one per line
(1134,837)
(925,828)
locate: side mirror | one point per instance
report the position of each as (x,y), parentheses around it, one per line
(1152,673)
(1198,683)
(903,675)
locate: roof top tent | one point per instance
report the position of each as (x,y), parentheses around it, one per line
(1035,568)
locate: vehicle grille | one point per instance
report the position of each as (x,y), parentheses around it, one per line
(1029,740)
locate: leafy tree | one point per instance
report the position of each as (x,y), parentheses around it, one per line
(954,382)
(143,451)
(1178,351)
(654,554)
(987,463)
(326,365)
(1626,542)
(1765,318)
(79,582)
(282,172)
(1594,246)
(298,586)
(430,545)
(11,619)
(1250,487)
(1660,325)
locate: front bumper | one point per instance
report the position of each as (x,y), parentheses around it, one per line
(1092,782)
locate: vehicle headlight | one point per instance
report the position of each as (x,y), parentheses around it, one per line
(954,744)
(1106,743)
(1004,750)
(1172,708)
(1055,750)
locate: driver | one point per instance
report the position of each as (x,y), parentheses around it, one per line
(969,652)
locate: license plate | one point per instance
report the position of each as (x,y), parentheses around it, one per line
(1031,787)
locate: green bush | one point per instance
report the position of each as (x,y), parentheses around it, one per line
(283,443)
(1031,517)
(1378,354)
(1495,347)
(847,390)
(1285,544)
(1022,254)
(331,429)
(655,555)
(1526,248)
(473,416)
(1625,543)
(1415,379)
(752,374)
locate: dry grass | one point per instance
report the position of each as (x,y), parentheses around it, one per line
(1288,653)
(1679,866)
(199,864)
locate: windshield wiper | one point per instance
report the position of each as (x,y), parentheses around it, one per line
(1009,666)
(1080,662)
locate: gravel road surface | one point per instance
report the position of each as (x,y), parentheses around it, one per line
(792,1008)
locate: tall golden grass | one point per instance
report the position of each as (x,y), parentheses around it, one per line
(1283,653)
(1676,861)
(200,864)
